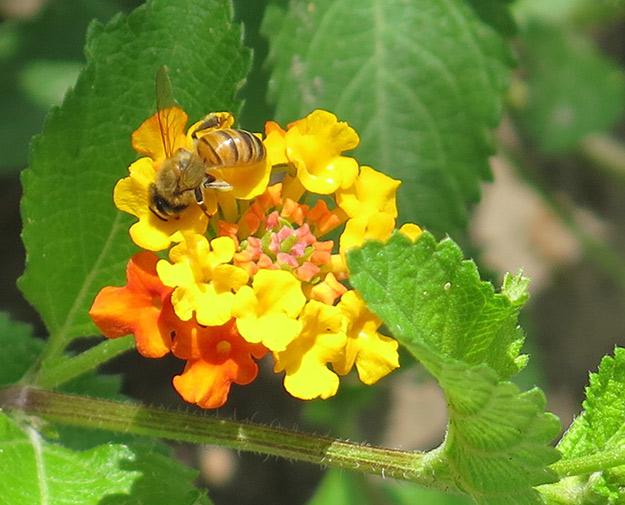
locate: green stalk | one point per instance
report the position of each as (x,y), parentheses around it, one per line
(584,465)
(201,429)
(68,368)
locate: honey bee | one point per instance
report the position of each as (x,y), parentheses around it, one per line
(182,177)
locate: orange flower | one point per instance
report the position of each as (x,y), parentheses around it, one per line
(216,357)
(141,308)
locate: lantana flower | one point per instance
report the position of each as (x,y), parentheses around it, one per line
(255,273)
(306,360)
(203,280)
(159,138)
(268,310)
(374,354)
(217,356)
(314,145)
(141,308)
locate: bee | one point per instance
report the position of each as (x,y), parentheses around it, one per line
(184,174)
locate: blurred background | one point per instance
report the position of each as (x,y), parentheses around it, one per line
(556,209)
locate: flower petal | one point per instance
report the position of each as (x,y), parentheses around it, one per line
(161,135)
(140,308)
(305,361)
(358,229)
(217,356)
(371,192)
(314,145)
(375,355)
(268,311)
(411,230)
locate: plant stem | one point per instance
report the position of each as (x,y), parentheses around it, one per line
(66,369)
(588,464)
(201,429)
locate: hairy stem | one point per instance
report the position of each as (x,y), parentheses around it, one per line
(202,429)
(588,464)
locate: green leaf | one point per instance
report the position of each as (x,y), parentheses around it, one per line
(600,428)
(403,494)
(601,425)
(434,302)
(555,10)
(497,444)
(573,90)
(76,240)
(340,488)
(19,347)
(36,74)
(35,471)
(420,81)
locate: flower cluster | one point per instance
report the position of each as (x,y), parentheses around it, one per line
(251,271)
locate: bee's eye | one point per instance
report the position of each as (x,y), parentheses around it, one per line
(161,205)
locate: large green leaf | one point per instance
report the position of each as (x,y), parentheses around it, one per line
(420,81)
(35,74)
(76,240)
(573,89)
(497,444)
(35,471)
(433,300)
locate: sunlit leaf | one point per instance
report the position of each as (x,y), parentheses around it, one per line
(434,303)
(420,81)
(36,471)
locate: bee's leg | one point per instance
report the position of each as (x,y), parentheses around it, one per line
(210,122)
(199,198)
(213,183)
(217,184)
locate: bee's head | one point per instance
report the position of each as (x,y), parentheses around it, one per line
(161,207)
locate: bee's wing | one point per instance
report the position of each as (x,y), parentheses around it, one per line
(165,104)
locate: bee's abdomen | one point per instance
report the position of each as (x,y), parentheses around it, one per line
(230,148)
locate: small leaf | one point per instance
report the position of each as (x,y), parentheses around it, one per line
(601,425)
(601,428)
(35,471)
(76,240)
(429,297)
(420,81)
(20,349)
(573,90)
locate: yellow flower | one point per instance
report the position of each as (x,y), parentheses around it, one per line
(162,134)
(372,192)
(267,312)
(151,232)
(314,146)
(305,361)
(374,355)
(358,229)
(204,282)
(411,230)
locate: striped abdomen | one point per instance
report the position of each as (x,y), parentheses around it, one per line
(230,148)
